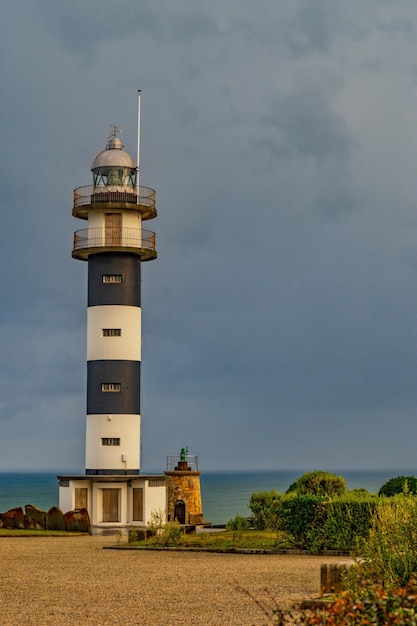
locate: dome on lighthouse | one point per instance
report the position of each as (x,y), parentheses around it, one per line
(114,167)
(113,156)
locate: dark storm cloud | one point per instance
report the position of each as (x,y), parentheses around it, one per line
(302,124)
(82,27)
(281,140)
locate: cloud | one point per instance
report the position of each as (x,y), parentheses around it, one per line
(281,142)
(304,125)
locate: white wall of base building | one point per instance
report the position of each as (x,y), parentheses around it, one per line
(154,499)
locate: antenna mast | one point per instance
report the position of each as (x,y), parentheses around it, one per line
(138,159)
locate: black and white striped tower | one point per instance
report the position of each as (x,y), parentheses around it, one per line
(115,245)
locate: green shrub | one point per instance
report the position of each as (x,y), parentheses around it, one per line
(304,518)
(399,484)
(164,533)
(389,554)
(359,492)
(265,507)
(348,520)
(317,523)
(171,535)
(238,523)
(318,483)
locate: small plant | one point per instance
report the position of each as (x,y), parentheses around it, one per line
(238,523)
(157,520)
(171,534)
(156,524)
(132,536)
(164,533)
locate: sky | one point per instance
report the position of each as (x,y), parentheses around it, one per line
(280,318)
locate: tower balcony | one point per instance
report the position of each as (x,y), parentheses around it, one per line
(117,197)
(188,462)
(114,239)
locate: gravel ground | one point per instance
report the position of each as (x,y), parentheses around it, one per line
(69,580)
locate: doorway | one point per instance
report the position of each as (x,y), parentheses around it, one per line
(179,511)
(113,229)
(111,505)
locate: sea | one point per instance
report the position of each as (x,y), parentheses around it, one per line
(225,494)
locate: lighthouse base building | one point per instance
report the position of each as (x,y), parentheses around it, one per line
(114,502)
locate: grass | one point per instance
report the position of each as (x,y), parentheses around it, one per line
(225,540)
(23,532)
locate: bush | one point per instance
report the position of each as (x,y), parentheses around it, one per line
(265,507)
(164,533)
(318,483)
(348,520)
(389,554)
(359,492)
(238,523)
(304,518)
(399,484)
(317,523)
(368,605)
(171,534)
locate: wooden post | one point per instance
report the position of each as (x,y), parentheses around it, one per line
(332,576)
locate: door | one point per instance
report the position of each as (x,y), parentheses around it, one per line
(111,505)
(138,504)
(179,511)
(81,497)
(113,229)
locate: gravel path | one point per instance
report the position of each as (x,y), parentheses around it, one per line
(72,580)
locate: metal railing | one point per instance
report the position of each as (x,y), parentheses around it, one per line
(96,195)
(114,237)
(172,462)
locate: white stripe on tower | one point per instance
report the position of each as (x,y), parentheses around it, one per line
(114,333)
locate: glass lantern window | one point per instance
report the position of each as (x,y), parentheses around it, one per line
(114,176)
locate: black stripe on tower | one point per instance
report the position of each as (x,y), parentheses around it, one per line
(105,270)
(103,373)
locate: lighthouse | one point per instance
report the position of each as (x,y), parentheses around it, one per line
(114,245)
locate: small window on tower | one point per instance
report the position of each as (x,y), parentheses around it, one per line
(111,332)
(111,387)
(112,279)
(110,441)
